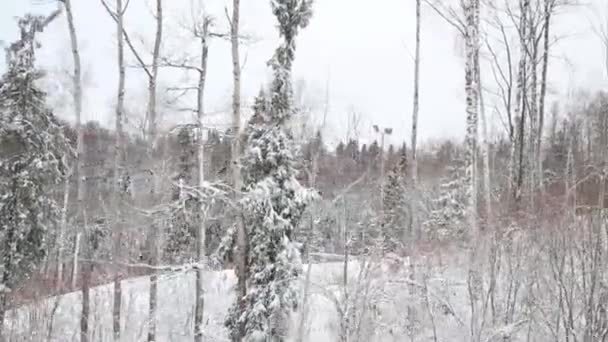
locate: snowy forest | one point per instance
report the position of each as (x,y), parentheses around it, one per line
(278,217)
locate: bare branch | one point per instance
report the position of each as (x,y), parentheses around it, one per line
(127,39)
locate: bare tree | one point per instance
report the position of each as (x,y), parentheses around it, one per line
(203,34)
(241,234)
(80,184)
(120,176)
(471,13)
(416,93)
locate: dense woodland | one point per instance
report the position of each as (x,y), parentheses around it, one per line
(519,215)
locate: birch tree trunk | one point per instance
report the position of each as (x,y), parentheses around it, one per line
(241,238)
(201,233)
(416,95)
(119,173)
(77,98)
(63,225)
(151,145)
(485,149)
(517,159)
(471,46)
(534,127)
(548,9)
(472,101)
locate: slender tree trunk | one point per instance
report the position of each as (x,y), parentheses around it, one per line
(119,174)
(520,103)
(534,155)
(345,323)
(485,150)
(543,88)
(87,270)
(152,120)
(152,127)
(201,234)
(75,260)
(472,101)
(241,239)
(472,45)
(416,95)
(62,229)
(77,97)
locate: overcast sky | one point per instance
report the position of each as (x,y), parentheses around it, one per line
(361,49)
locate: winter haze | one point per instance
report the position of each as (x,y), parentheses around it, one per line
(336,50)
(304,170)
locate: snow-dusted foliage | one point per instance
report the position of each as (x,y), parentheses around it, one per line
(449,208)
(184,214)
(33,151)
(396,206)
(273,200)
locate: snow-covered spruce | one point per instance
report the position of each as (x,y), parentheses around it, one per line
(273,200)
(32,154)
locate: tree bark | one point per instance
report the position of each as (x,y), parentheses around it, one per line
(520,103)
(471,45)
(543,87)
(62,229)
(241,238)
(201,233)
(534,155)
(485,150)
(414,171)
(119,174)
(77,98)
(87,270)
(152,127)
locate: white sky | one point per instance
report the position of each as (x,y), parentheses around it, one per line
(362,47)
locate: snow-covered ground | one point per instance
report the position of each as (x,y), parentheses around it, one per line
(379,297)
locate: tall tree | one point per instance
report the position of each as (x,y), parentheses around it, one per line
(241,233)
(31,162)
(203,34)
(471,12)
(151,72)
(414,171)
(120,172)
(273,201)
(81,185)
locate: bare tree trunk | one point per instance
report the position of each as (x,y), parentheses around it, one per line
(87,269)
(472,100)
(62,229)
(472,46)
(152,121)
(485,151)
(75,260)
(534,155)
(416,95)
(241,239)
(152,127)
(521,108)
(119,173)
(201,234)
(543,88)
(345,322)
(77,97)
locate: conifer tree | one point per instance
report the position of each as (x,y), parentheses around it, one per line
(449,209)
(396,206)
(32,157)
(273,201)
(180,240)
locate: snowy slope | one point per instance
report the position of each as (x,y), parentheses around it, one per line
(382,296)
